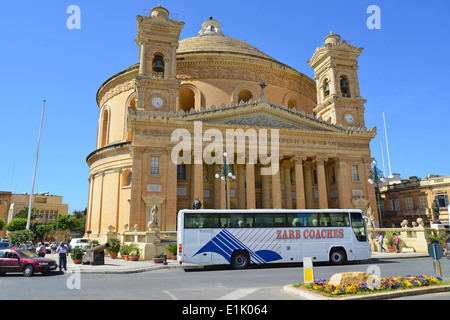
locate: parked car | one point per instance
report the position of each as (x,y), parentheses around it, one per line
(24,261)
(83,243)
(4,245)
(27,246)
(54,245)
(447,248)
(47,246)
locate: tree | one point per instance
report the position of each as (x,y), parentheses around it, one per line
(21,236)
(64,223)
(2,224)
(17,224)
(24,214)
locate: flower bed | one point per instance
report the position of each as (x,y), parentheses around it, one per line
(385,284)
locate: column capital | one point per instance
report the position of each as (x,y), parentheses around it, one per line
(299,158)
(320,159)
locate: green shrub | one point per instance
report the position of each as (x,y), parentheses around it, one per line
(114,245)
(76,253)
(172,248)
(134,250)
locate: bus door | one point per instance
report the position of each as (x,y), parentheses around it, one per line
(360,242)
(205,236)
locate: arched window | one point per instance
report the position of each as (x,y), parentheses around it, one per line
(326,88)
(292,103)
(186,100)
(244,95)
(345,87)
(104,128)
(158,66)
(126,178)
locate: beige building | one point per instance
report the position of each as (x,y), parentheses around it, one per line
(47,207)
(412,198)
(5,201)
(185,99)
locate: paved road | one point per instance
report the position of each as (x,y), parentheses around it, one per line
(258,283)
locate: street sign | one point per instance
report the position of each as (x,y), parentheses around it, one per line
(435,251)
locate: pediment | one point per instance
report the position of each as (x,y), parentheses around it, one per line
(261,115)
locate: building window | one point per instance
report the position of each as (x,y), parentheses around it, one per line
(126,179)
(155,166)
(326,89)
(104,129)
(314,176)
(345,87)
(244,95)
(442,201)
(355,173)
(394,204)
(181,172)
(408,203)
(158,66)
(423,202)
(186,100)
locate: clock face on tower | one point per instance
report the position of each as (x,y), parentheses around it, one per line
(157,102)
(349,118)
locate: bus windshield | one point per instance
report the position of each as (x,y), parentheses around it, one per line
(358,226)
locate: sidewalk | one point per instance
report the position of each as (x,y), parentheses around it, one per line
(392,255)
(120,266)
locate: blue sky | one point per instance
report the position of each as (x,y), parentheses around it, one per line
(403,71)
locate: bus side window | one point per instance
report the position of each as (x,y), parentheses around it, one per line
(324,219)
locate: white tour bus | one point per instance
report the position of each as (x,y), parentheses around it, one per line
(241,237)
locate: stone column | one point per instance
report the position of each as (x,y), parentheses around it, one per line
(142,65)
(171,195)
(265,191)
(309,200)
(217,188)
(276,190)
(322,182)
(250,181)
(333,84)
(198,181)
(344,185)
(136,188)
(240,192)
(299,181)
(287,193)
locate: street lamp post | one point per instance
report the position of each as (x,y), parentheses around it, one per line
(376,179)
(225,173)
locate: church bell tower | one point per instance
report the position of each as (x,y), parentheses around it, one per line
(335,71)
(156,84)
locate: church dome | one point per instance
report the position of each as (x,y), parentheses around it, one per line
(211,39)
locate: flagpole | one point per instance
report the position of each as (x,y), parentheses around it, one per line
(387,146)
(35,166)
(382,158)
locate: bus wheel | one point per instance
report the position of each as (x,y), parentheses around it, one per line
(240,260)
(338,256)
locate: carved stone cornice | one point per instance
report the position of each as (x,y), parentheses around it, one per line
(249,72)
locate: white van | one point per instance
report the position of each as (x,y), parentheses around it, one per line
(83,243)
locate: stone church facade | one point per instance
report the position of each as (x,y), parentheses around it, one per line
(194,93)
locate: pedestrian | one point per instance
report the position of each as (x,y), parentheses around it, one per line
(396,243)
(42,250)
(63,252)
(380,241)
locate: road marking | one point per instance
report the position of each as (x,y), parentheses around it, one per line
(170,294)
(238,294)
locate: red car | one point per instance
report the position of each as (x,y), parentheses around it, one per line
(24,261)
